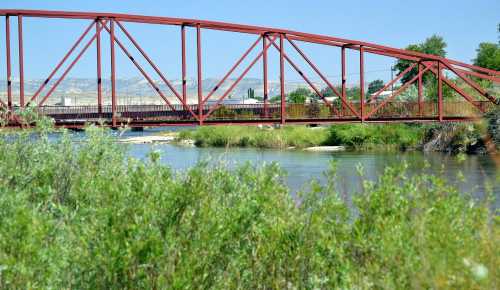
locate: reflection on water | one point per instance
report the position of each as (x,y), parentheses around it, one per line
(474,174)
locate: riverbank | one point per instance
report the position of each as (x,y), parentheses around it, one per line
(88,216)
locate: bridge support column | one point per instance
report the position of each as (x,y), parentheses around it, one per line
(183,56)
(7,51)
(113,80)
(21,59)
(343,81)
(200,85)
(264,64)
(420,103)
(282,81)
(440,91)
(362,83)
(99,76)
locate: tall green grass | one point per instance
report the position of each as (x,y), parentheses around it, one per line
(86,216)
(250,136)
(354,136)
(377,136)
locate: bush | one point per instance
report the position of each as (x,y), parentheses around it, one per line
(372,136)
(87,216)
(455,138)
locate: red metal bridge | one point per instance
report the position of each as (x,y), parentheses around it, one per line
(465,80)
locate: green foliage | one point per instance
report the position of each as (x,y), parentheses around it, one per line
(386,136)
(248,136)
(488,56)
(431,91)
(352,93)
(455,138)
(375,86)
(493,121)
(354,136)
(298,96)
(275,99)
(84,216)
(433,45)
(251,93)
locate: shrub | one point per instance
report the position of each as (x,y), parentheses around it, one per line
(455,138)
(87,216)
(372,136)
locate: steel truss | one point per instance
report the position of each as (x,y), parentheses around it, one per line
(362,110)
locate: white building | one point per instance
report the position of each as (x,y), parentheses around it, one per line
(235,101)
(65,101)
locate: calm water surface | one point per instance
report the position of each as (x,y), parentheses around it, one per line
(477,174)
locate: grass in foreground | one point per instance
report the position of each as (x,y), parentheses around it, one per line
(86,216)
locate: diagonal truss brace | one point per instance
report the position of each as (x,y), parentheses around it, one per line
(296,68)
(141,70)
(315,68)
(228,74)
(399,91)
(242,75)
(157,70)
(68,69)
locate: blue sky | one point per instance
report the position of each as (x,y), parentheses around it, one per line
(463,24)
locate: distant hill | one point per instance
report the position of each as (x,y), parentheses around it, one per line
(138,90)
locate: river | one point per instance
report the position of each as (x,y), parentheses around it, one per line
(473,174)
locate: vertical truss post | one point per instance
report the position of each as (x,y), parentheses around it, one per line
(21,59)
(420,98)
(282,81)
(99,72)
(200,85)
(113,80)
(183,47)
(343,80)
(440,91)
(264,67)
(362,82)
(7,50)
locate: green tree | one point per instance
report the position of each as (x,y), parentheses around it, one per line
(433,45)
(351,93)
(299,96)
(250,93)
(375,86)
(328,92)
(488,56)
(275,99)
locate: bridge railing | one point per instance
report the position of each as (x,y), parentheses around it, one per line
(268,112)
